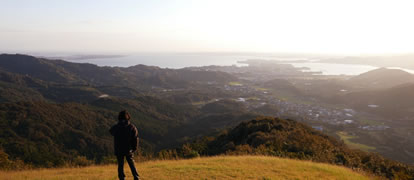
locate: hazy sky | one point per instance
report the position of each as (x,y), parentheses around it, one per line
(311,26)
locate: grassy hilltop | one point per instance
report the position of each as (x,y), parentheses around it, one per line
(220,167)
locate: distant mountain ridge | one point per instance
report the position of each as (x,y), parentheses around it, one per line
(382,78)
(59,71)
(35,67)
(388,92)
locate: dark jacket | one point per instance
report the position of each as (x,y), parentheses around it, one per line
(125,137)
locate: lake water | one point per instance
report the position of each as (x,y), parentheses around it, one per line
(186,60)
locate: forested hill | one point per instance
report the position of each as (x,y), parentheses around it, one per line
(139,76)
(381,78)
(54,112)
(288,138)
(395,102)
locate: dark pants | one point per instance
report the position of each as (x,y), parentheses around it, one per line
(131,164)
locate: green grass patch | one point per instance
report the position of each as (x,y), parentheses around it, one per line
(199,103)
(365,121)
(235,83)
(262,89)
(347,139)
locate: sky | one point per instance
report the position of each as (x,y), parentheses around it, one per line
(128,26)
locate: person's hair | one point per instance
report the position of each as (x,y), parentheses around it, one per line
(124,115)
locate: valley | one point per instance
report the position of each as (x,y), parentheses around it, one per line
(332,104)
(195,89)
(56,113)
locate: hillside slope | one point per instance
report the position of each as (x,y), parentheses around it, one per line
(291,139)
(138,77)
(393,102)
(381,78)
(221,167)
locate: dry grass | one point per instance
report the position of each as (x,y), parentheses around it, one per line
(222,167)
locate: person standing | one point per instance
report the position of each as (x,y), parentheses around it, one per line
(125,143)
